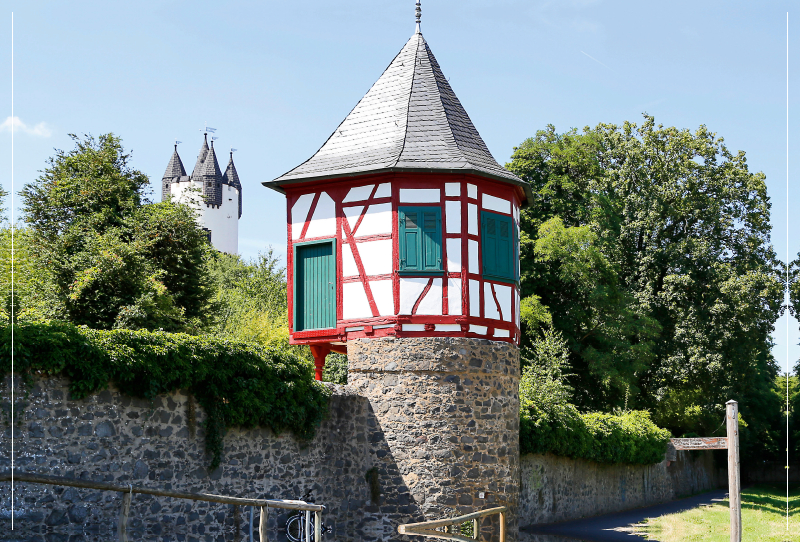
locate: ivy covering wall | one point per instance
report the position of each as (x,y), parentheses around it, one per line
(238,384)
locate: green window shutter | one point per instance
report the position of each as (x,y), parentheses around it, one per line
(489,244)
(504,249)
(420,239)
(499,246)
(515,241)
(432,240)
(410,246)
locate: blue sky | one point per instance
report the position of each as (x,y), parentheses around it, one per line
(275,79)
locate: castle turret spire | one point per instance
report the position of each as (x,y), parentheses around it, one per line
(419,15)
(211,176)
(172,174)
(231,177)
(201,157)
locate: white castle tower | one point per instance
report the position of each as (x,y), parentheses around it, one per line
(216,196)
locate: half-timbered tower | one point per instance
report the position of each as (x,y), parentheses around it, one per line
(403,237)
(403,223)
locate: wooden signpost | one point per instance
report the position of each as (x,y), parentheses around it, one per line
(730,443)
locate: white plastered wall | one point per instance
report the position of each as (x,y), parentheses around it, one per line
(223,221)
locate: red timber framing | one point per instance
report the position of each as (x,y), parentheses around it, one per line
(378,325)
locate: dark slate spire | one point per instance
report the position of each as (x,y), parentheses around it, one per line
(231,177)
(175,166)
(173,174)
(409,120)
(211,176)
(201,157)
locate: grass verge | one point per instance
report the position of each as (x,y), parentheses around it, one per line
(763,519)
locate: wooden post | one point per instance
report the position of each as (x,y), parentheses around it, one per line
(502,527)
(307,525)
(262,524)
(734,482)
(317,526)
(320,352)
(122,527)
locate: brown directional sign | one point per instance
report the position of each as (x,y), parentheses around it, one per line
(702,443)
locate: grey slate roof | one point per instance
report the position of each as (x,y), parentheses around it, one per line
(211,177)
(206,171)
(172,174)
(231,177)
(210,165)
(175,166)
(409,120)
(201,157)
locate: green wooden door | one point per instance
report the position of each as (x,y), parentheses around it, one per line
(315,286)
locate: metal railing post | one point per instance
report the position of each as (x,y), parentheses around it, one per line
(306,529)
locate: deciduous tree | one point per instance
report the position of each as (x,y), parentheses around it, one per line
(115,259)
(650,248)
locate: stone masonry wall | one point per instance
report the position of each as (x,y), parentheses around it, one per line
(556,489)
(111,437)
(433,424)
(449,412)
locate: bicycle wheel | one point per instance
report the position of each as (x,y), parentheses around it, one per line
(294,529)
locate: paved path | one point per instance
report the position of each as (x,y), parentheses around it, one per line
(607,528)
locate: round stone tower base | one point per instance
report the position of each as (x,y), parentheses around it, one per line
(448,409)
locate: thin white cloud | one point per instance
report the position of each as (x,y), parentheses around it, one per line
(593,58)
(39,130)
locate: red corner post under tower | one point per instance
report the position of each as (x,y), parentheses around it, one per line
(320,352)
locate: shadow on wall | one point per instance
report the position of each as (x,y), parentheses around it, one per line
(556,489)
(114,438)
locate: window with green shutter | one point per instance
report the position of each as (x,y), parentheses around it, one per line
(420,240)
(499,246)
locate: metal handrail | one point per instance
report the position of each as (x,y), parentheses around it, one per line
(428,528)
(128,490)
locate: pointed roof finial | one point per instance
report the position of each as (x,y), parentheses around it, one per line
(419,15)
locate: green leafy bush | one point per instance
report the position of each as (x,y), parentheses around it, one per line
(335,368)
(237,383)
(605,438)
(550,423)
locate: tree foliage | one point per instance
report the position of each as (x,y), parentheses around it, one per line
(549,423)
(650,249)
(92,186)
(250,299)
(3,209)
(250,305)
(115,260)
